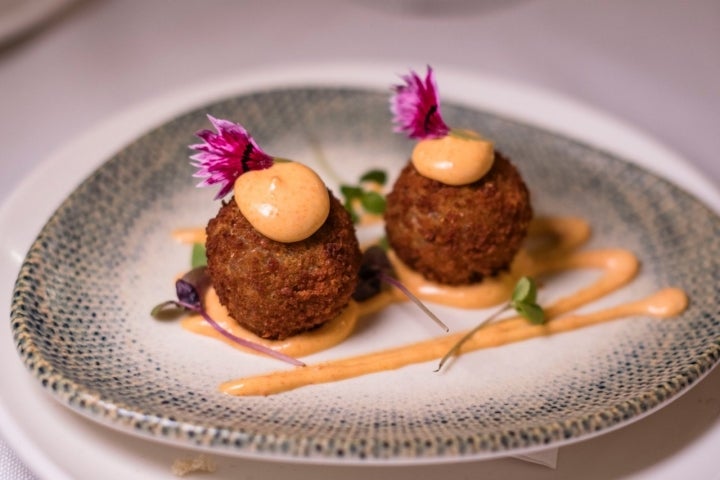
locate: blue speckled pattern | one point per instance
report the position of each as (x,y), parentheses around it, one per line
(80,312)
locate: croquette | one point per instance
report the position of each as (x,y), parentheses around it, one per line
(458,235)
(276,289)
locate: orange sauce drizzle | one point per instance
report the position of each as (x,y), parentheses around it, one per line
(552,247)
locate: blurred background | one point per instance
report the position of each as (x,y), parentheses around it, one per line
(66,65)
(652,63)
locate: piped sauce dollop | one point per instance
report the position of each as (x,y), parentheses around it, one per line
(459,158)
(287,202)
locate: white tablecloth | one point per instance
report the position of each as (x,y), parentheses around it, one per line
(654,64)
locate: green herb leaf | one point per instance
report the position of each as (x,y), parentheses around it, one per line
(384,244)
(464,134)
(350,192)
(370,200)
(524,301)
(348,204)
(168,310)
(373,202)
(525,290)
(198,257)
(532,312)
(375,176)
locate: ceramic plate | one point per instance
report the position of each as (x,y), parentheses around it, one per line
(80,314)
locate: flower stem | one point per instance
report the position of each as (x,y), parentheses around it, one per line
(469,335)
(397,284)
(241,341)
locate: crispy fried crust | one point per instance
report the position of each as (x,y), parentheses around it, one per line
(458,235)
(279,289)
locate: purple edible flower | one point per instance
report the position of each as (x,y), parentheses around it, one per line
(416,107)
(226,155)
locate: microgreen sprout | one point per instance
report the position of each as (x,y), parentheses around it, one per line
(198,256)
(189,291)
(523,301)
(376,269)
(384,243)
(366,194)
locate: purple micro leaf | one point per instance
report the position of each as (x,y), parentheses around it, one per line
(192,286)
(241,341)
(374,263)
(415,106)
(225,155)
(190,289)
(375,269)
(187,294)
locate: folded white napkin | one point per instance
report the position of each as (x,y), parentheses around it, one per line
(547,458)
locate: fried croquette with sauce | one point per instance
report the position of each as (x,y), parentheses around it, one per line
(277,289)
(458,235)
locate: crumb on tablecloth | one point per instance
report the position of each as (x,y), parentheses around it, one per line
(186,466)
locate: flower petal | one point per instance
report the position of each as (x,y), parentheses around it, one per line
(225,155)
(416,107)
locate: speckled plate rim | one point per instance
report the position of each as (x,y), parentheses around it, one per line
(513,100)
